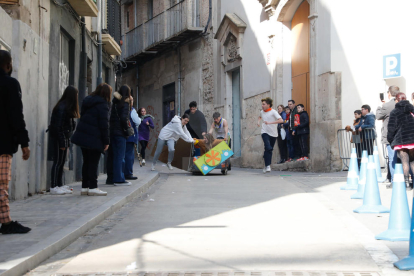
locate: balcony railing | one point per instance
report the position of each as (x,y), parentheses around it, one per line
(133,42)
(155,30)
(178,23)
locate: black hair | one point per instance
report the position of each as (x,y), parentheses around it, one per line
(185,116)
(125,92)
(292,101)
(216,115)
(5,58)
(193,104)
(268,100)
(301,105)
(358,112)
(365,106)
(70,96)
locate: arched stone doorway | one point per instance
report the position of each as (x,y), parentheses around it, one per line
(300,56)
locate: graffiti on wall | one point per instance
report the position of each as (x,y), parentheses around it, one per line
(63,77)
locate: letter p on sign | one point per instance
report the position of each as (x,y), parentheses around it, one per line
(392,66)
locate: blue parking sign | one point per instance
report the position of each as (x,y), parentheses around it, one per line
(392,66)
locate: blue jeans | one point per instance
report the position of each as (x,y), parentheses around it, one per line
(129,159)
(118,147)
(392,159)
(160,145)
(269,143)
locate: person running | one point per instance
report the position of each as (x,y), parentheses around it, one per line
(131,142)
(92,136)
(281,141)
(13,134)
(302,131)
(61,127)
(269,130)
(401,134)
(170,134)
(120,130)
(144,130)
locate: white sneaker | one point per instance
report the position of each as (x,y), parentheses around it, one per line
(268,169)
(57,191)
(169,166)
(66,189)
(126,183)
(264,169)
(143,162)
(153,167)
(84,191)
(96,192)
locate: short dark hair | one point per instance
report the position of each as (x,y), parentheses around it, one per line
(268,100)
(401,97)
(5,58)
(125,92)
(394,90)
(292,101)
(185,116)
(358,112)
(365,106)
(301,105)
(216,115)
(287,107)
(193,104)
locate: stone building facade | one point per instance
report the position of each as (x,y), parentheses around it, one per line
(167,51)
(45,41)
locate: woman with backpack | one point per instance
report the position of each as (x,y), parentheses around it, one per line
(401,134)
(120,130)
(92,135)
(61,127)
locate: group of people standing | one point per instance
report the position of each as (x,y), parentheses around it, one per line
(397,133)
(289,126)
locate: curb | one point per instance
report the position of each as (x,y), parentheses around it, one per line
(36,254)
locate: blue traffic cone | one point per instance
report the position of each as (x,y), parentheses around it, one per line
(360,192)
(352,180)
(364,164)
(399,223)
(372,199)
(377,165)
(408,262)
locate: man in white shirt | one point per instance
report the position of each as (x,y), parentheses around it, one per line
(269,130)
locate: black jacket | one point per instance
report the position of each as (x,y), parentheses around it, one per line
(303,127)
(61,125)
(197,124)
(119,116)
(12,124)
(401,124)
(93,128)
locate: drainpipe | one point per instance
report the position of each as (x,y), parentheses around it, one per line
(209,16)
(99,27)
(179,81)
(82,91)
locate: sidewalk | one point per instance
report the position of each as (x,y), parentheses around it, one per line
(57,221)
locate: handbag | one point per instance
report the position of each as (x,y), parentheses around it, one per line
(129,131)
(283,133)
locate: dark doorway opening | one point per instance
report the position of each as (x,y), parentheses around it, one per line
(168,103)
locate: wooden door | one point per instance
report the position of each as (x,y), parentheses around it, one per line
(300,56)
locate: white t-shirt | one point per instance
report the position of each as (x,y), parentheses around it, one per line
(270,116)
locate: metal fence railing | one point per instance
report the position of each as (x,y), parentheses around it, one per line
(347,140)
(181,16)
(134,42)
(155,30)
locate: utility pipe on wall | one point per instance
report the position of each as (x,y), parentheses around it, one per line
(179,82)
(99,27)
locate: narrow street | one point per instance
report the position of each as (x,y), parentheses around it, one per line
(245,221)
